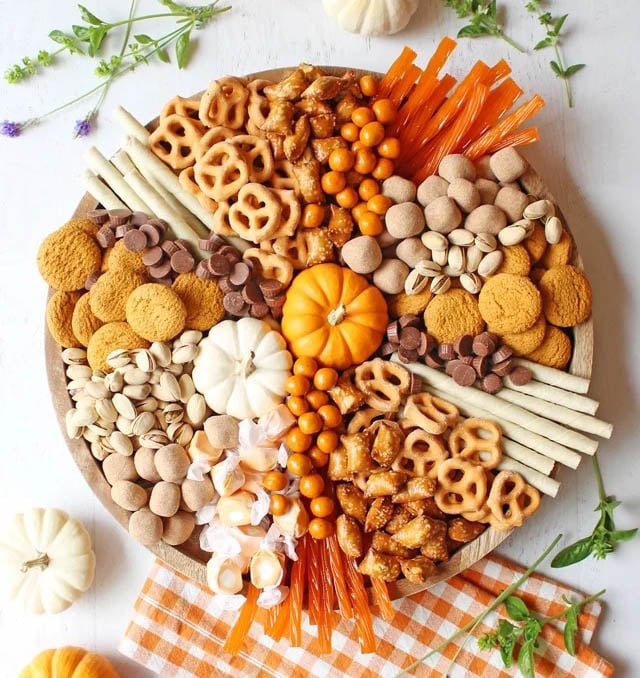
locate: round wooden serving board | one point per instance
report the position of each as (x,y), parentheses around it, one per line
(188,558)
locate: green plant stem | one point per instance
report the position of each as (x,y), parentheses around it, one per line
(474,623)
(579,605)
(510,42)
(596,467)
(567,87)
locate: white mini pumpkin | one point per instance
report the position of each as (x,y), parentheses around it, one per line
(371,17)
(46,561)
(242,367)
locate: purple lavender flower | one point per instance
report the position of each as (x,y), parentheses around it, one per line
(83,127)
(10,129)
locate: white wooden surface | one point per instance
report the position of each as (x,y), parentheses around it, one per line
(589,157)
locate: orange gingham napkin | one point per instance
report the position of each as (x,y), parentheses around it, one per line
(177,631)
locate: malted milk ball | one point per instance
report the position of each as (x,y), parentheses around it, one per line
(486,219)
(145,526)
(456,166)
(362,254)
(431,188)
(404,220)
(172,463)
(465,194)
(399,189)
(507,165)
(390,276)
(488,190)
(483,168)
(411,251)
(165,499)
(178,528)
(443,215)
(512,202)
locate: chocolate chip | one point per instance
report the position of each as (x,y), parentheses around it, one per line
(276,302)
(502,353)
(482,365)
(271,288)
(463,345)
(105,237)
(408,320)
(234,303)
(451,366)
(259,310)
(410,338)
(239,273)
(203,272)
(407,355)
(393,335)
(169,247)
(218,265)
(154,233)
(225,285)
(207,245)
(503,368)
(98,217)
(153,256)
(139,218)
(134,240)
(491,383)
(432,360)
(251,293)
(160,270)
(182,261)
(446,352)
(91,279)
(118,217)
(464,375)
(484,344)
(520,375)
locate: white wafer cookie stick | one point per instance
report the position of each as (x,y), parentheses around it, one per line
(553,394)
(131,125)
(546,485)
(518,415)
(516,433)
(110,175)
(563,415)
(527,456)
(101,192)
(553,377)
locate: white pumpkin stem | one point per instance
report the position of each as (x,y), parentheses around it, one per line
(247,366)
(336,316)
(42,561)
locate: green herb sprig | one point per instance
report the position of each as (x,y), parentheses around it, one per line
(483,16)
(604,538)
(553,32)
(507,636)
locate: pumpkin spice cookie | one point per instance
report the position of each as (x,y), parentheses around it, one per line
(453,314)
(85,225)
(558,254)
(108,296)
(523,343)
(119,257)
(59,313)
(83,322)
(67,257)
(156,312)
(203,300)
(554,351)
(536,243)
(409,304)
(515,260)
(108,338)
(536,273)
(566,296)
(509,303)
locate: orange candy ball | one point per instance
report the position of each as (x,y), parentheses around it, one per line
(321,528)
(362,116)
(311,486)
(389,148)
(310,422)
(379,204)
(384,169)
(333,182)
(317,456)
(367,189)
(299,464)
(341,160)
(306,366)
(317,399)
(325,378)
(279,504)
(274,481)
(368,85)
(312,216)
(327,441)
(298,385)
(384,111)
(350,131)
(366,160)
(297,441)
(297,405)
(330,415)
(370,224)
(372,134)
(347,198)
(359,210)
(322,507)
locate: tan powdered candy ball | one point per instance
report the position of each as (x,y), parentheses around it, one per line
(59,314)
(197,493)
(431,188)
(108,296)
(144,464)
(362,254)
(456,166)
(109,338)
(128,495)
(165,499)
(409,304)
(509,303)
(118,467)
(529,340)
(390,276)
(566,296)
(487,189)
(465,194)
(515,260)
(202,299)
(222,431)
(443,215)
(83,322)
(507,165)
(554,351)
(486,219)
(452,314)
(85,225)
(178,528)
(120,258)
(145,526)
(156,312)
(67,257)
(172,463)
(558,254)
(512,202)
(536,243)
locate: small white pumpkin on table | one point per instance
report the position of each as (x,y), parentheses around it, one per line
(371,17)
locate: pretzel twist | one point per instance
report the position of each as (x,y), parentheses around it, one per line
(511,501)
(256,215)
(224,103)
(421,455)
(175,139)
(462,486)
(222,171)
(383,383)
(431,414)
(477,440)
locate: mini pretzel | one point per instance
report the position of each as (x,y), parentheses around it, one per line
(222,171)
(322,148)
(352,501)
(363,418)
(279,119)
(295,143)
(340,225)
(380,565)
(290,88)
(511,501)
(313,107)
(345,107)
(307,173)
(414,534)
(463,486)
(212,137)
(464,531)
(258,108)
(383,383)
(271,265)
(257,154)
(435,547)
(319,246)
(224,103)
(379,514)
(429,413)
(291,212)
(188,108)
(338,468)
(328,86)
(477,440)
(384,543)
(188,182)
(221,225)
(385,483)
(175,139)
(256,215)
(420,487)
(421,454)
(387,442)
(358,447)
(323,126)
(295,249)
(283,177)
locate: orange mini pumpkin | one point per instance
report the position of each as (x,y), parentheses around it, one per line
(334,315)
(69,662)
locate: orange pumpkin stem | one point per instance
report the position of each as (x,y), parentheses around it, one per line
(336,316)
(42,561)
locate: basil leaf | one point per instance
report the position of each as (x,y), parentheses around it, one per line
(622,535)
(163,56)
(526,662)
(570,630)
(557,27)
(547,42)
(575,552)
(516,608)
(59,37)
(143,39)
(96,36)
(472,31)
(89,17)
(81,32)
(182,49)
